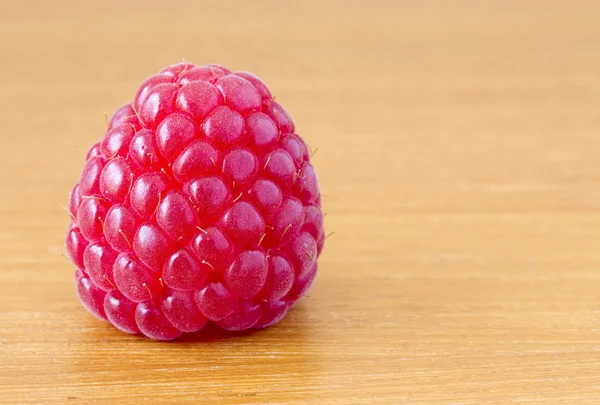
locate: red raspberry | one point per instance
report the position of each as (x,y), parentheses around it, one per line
(199,205)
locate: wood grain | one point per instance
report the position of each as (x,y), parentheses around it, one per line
(459,155)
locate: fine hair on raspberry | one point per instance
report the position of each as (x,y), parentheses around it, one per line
(200,205)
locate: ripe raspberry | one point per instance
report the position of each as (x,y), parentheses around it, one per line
(199,205)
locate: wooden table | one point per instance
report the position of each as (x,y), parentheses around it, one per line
(459,155)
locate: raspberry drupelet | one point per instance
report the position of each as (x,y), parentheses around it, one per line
(199,205)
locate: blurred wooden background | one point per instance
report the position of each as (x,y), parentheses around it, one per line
(459,152)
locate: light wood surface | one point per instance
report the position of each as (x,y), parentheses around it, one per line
(459,155)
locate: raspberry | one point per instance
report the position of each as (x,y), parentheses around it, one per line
(199,206)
